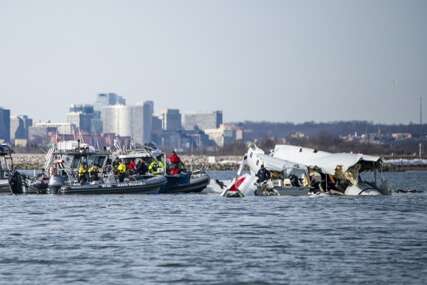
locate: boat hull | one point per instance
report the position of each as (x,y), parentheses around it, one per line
(4,186)
(195,184)
(148,186)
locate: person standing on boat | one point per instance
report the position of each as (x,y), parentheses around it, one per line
(83,173)
(175,164)
(157,166)
(141,167)
(131,167)
(121,170)
(93,172)
(116,164)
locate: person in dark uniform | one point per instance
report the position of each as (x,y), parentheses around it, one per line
(263,174)
(141,167)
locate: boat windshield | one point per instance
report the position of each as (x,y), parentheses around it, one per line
(73,161)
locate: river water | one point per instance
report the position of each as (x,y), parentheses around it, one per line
(207,239)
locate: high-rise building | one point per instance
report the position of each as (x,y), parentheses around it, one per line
(127,121)
(156,125)
(171,120)
(4,125)
(19,126)
(148,120)
(203,121)
(85,118)
(108,99)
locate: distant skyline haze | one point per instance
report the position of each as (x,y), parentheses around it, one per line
(255,60)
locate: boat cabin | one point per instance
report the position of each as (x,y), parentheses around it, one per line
(6,161)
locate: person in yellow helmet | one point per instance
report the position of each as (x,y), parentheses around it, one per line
(83,173)
(157,166)
(121,171)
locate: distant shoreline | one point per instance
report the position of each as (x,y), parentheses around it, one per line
(217,162)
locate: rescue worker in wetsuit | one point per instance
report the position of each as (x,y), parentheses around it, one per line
(94,172)
(157,166)
(263,174)
(83,173)
(175,164)
(121,171)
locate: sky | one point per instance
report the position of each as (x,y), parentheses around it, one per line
(255,60)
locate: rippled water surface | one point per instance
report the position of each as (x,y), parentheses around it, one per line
(206,239)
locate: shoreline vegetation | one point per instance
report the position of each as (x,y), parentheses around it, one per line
(217,162)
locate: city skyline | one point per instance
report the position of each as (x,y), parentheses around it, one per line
(281,61)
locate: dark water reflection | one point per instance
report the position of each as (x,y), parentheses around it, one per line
(206,239)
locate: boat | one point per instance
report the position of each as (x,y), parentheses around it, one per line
(63,162)
(185,182)
(61,167)
(6,167)
(147,186)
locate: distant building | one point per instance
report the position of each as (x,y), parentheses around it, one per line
(156,126)
(41,133)
(224,135)
(297,135)
(171,120)
(239,132)
(85,118)
(203,121)
(127,121)
(4,125)
(148,120)
(401,136)
(19,127)
(183,140)
(108,99)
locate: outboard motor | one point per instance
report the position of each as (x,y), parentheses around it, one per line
(55,183)
(15,182)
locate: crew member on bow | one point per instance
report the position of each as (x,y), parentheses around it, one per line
(175,164)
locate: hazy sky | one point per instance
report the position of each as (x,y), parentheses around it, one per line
(257,60)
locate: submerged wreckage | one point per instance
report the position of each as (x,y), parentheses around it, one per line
(300,171)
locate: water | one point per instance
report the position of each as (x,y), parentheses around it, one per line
(207,239)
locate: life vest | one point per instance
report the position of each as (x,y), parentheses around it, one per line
(121,168)
(93,170)
(131,165)
(174,158)
(82,170)
(156,167)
